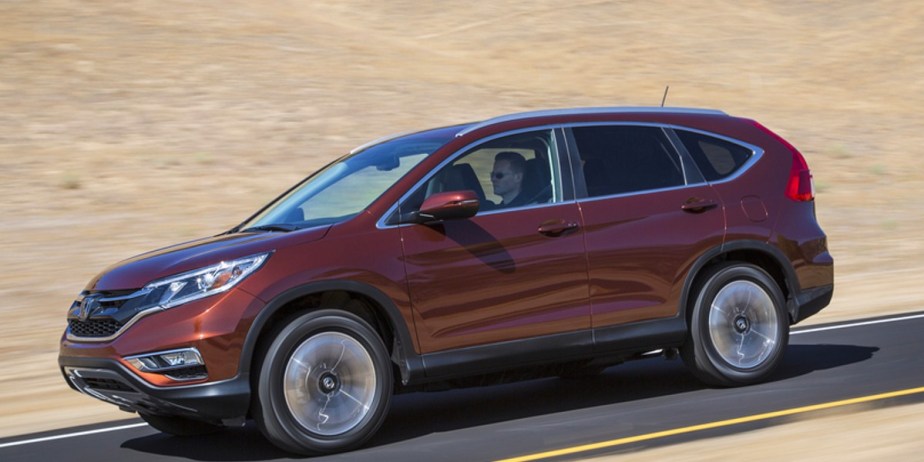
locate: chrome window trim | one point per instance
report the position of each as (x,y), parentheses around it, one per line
(380,224)
(692,174)
(757,152)
(587,111)
(555,170)
(639,193)
(682,156)
(488,212)
(663,127)
(524,207)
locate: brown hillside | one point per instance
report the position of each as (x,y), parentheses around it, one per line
(130,125)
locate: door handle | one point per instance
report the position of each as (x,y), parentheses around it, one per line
(698,205)
(557,228)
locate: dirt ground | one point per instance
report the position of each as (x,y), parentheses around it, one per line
(127,126)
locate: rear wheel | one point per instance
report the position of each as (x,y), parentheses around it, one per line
(325,384)
(739,327)
(180,426)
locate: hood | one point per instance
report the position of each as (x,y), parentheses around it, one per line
(138,271)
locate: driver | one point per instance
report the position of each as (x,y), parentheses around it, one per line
(507,178)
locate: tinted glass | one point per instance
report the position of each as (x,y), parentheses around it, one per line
(536,179)
(624,159)
(716,158)
(346,187)
(511,171)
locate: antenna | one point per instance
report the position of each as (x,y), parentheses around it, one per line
(664,98)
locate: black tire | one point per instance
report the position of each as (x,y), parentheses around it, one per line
(325,384)
(180,426)
(739,327)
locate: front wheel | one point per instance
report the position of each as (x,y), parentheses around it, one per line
(739,327)
(325,384)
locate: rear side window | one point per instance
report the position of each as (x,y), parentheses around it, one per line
(716,158)
(625,159)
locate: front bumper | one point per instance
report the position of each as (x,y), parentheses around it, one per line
(215,327)
(109,381)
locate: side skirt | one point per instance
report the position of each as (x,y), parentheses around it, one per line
(609,345)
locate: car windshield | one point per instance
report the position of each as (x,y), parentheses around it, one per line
(346,187)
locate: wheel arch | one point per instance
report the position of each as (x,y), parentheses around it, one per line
(374,307)
(761,254)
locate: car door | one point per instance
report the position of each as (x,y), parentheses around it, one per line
(508,273)
(648,215)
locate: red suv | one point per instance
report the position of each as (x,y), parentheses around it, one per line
(544,243)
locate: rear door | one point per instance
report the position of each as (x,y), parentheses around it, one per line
(647,215)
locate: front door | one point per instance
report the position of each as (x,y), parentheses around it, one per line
(517,269)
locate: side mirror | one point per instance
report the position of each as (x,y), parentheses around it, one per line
(449,205)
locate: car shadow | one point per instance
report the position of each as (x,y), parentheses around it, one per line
(415,415)
(802,359)
(471,240)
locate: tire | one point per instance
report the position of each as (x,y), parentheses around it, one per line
(324,385)
(739,327)
(180,426)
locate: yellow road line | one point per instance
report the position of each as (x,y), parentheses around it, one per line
(711,425)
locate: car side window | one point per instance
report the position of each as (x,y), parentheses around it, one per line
(507,172)
(622,159)
(716,158)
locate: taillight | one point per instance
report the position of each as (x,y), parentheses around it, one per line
(800,186)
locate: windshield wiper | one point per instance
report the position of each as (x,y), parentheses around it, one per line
(277,227)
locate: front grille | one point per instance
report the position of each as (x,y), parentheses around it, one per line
(106,384)
(97,316)
(93,328)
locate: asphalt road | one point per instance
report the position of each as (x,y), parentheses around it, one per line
(823,364)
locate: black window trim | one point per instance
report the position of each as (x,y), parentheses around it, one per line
(691,173)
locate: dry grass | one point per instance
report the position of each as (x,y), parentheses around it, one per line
(132,125)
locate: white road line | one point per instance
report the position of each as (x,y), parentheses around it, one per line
(71,435)
(857,324)
(126,427)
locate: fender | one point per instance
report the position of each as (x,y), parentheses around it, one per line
(789,274)
(404,356)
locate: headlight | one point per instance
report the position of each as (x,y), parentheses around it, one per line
(200,283)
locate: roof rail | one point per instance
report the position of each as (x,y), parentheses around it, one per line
(585,110)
